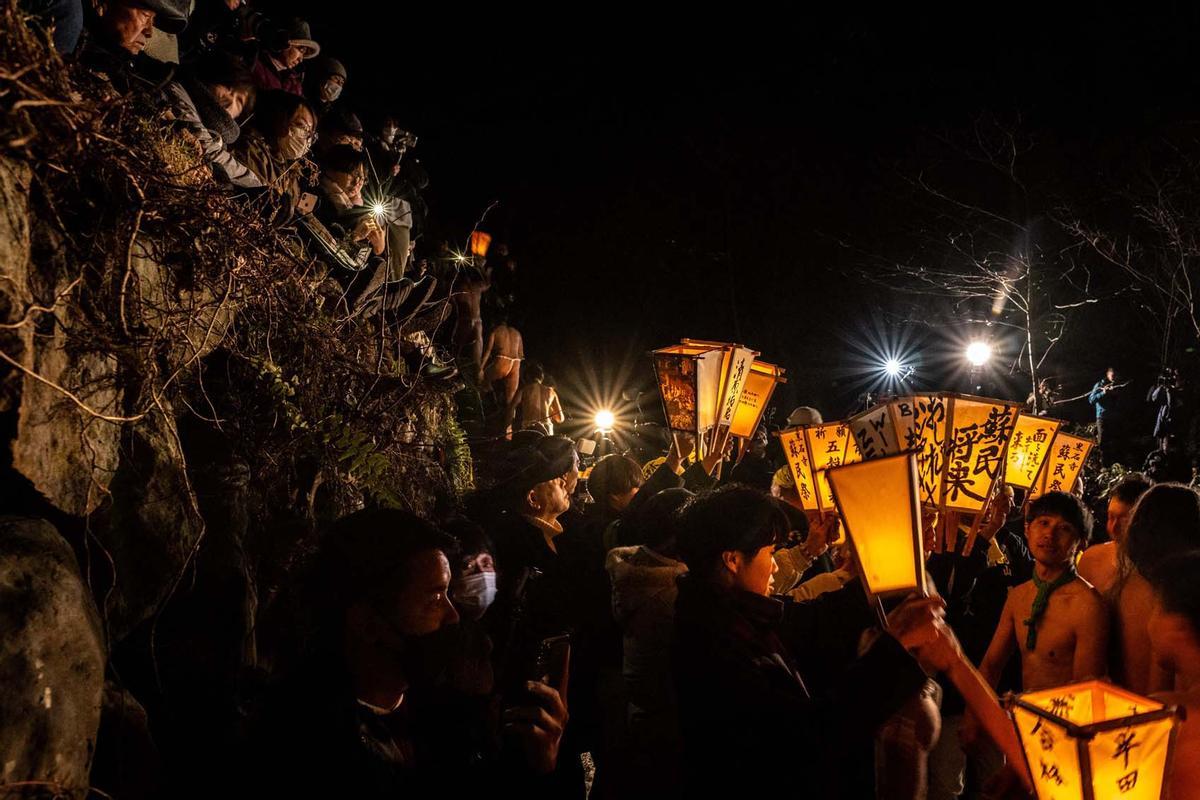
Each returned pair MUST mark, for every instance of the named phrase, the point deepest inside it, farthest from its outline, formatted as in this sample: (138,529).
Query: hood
(638,575)
(214,117)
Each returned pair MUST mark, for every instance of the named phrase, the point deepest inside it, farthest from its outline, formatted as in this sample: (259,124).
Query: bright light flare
(979,353)
(378,209)
(605,420)
(893,367)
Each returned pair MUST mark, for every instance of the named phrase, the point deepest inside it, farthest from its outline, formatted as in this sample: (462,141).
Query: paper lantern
(689,380)
(735,368)
(756,396)
(1067,456)
(1095,741)
(480,242)
(811,451)
(1027,451)
(879,503)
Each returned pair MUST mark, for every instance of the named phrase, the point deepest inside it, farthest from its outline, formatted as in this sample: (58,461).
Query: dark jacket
(754,717)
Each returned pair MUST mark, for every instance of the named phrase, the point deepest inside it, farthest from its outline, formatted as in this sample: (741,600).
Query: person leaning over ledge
(117,33)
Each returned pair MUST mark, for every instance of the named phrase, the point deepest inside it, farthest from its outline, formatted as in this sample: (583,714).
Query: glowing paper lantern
(480,242)
(735,368)
(880,506)
(689,381)
(756,396)
(1027,451)
(1092,741)
(811,451)
(1067,456)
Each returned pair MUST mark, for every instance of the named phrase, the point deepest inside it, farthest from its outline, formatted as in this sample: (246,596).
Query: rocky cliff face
(181,395)
(52,659)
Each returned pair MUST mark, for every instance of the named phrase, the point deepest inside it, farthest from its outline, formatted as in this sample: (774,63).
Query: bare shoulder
(1088,603)
(1096,558)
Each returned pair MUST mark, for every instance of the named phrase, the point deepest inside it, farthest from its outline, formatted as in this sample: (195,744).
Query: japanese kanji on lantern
(735,369)
(1068,454)
(689,380)
(1094,741)
(1028,450)
(811,451)
(978,431)
(879,503)
(756,396)
(920,425)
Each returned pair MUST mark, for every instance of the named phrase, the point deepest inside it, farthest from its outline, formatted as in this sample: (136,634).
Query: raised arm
(945,654)
(1004,642)
(556,412)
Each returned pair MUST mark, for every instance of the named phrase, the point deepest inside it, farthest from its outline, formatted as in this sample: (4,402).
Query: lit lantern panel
(880,508)
(1052,755)
(689,379)
(927,421)
(978,435)
(1065,462)
(1029,448)
(829,445)
(735,372)
(756,396)
(796,451)
(875,432)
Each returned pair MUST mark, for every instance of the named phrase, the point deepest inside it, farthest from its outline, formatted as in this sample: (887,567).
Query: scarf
(1044,590)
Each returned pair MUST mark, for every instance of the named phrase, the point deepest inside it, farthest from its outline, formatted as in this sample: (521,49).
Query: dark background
(704,180)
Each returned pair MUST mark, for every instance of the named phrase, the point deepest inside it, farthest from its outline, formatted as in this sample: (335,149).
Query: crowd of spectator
(678,628)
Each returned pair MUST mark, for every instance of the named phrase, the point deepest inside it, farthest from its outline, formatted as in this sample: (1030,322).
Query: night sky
(731,178)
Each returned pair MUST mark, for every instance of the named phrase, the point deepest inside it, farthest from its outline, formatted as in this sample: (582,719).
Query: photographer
(1161,396)
(399,185)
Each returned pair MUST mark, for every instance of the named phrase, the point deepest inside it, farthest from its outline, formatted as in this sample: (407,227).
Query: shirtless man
(467,296)
(1174,628)
(538,404)
(1099,564)
(500,366)
(1057,620)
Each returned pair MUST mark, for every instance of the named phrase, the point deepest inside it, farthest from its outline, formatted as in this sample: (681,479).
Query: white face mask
(330,90)
(473,594)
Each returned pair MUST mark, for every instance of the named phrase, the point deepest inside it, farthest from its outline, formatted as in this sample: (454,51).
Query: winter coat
(754,695)
(280,178)
(643,603)
(197,111)
(266,76)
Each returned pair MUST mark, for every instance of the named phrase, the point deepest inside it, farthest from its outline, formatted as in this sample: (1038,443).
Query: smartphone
(553,656)
(308,201)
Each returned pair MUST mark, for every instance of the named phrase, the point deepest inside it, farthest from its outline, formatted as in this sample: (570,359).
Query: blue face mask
(473,594)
